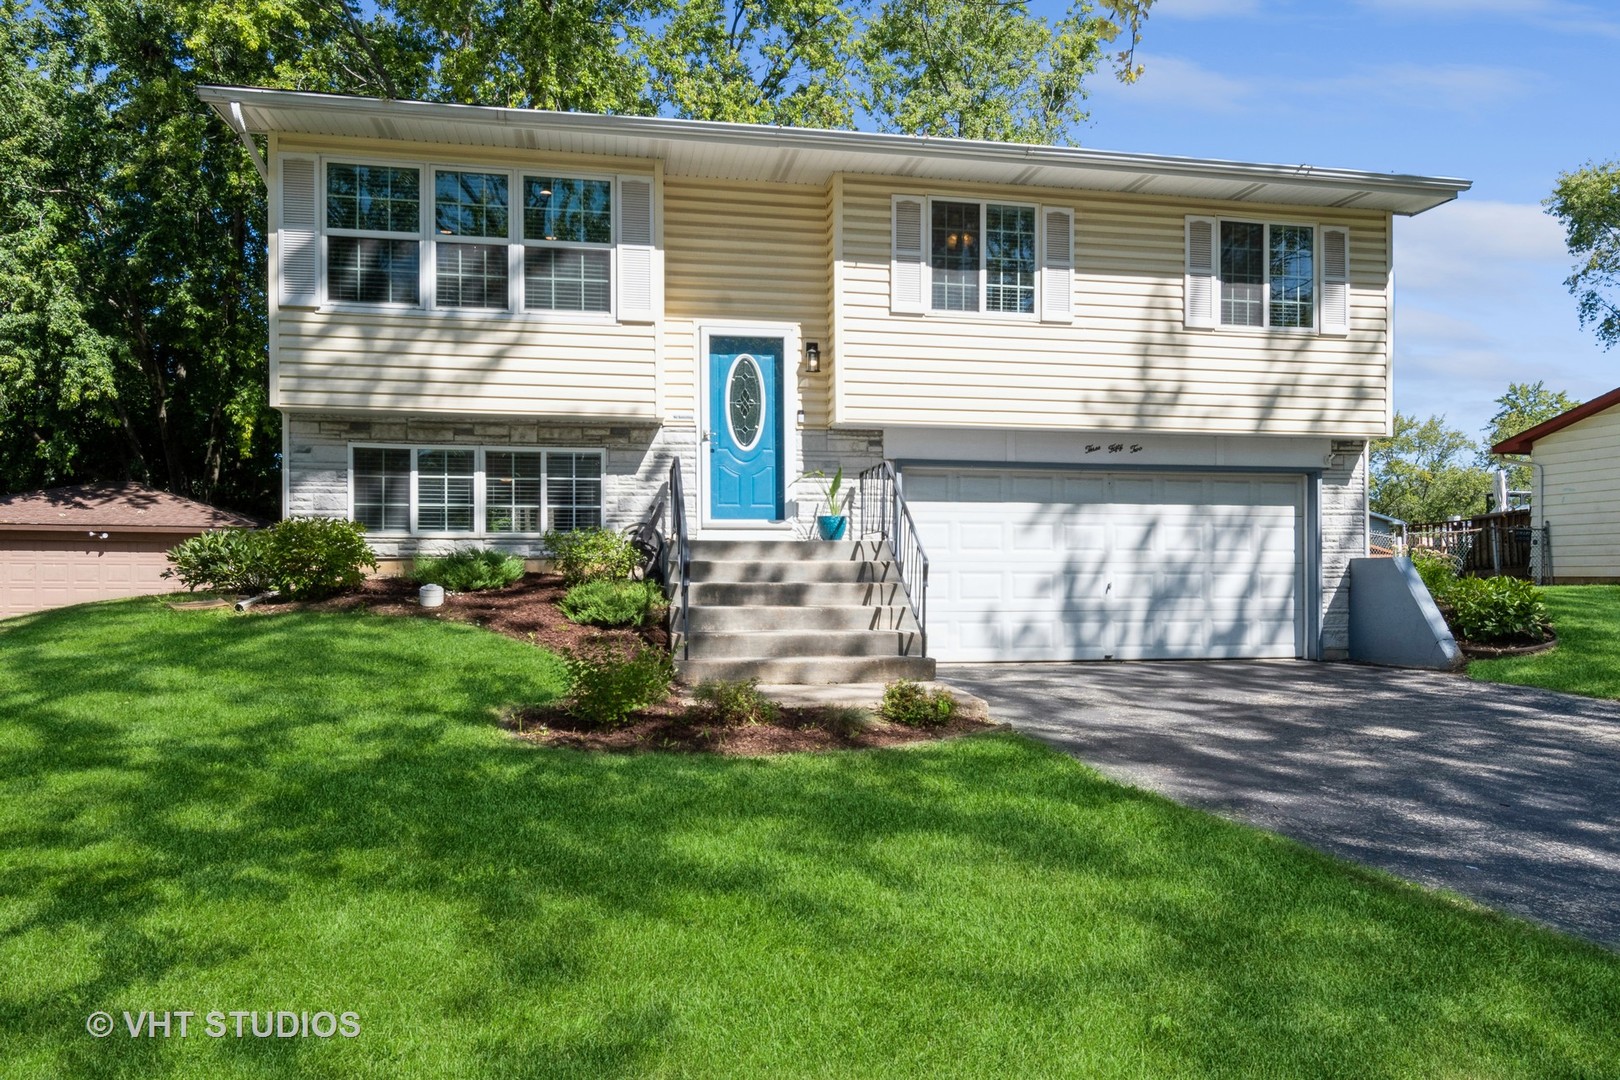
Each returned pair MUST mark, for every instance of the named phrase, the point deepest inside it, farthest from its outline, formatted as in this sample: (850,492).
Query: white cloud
(1558,15)
(1452,87)
(1463,248)
(1179,84)
(1205,9)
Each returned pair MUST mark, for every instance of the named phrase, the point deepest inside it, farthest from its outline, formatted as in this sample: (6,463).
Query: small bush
(468,571)
(227,560)
(910,703)
(1484,610)
(733,703)
(318,557)
(608,687)
(305,558)
(1439,572)
(613,603)
(591,555)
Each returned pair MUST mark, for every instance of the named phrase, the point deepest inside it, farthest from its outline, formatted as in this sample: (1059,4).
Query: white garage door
(1046,565)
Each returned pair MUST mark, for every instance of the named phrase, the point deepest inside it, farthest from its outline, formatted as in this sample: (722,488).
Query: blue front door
(745,429)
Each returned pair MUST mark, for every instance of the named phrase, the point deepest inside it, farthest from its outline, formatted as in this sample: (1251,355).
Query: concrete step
(736,620)
(808,671)
(789,550)
(795,594)
(753,570)
(787,644)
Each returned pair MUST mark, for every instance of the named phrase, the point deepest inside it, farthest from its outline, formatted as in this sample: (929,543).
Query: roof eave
(1426,192)
(1524,441)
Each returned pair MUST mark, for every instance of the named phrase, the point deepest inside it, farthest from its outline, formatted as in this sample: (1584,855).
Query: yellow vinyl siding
(1578,496)
(743,252)
(352,358)
(1127,362)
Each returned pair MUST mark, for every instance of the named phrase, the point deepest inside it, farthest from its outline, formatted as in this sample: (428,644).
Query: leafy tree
(1523,407)
(989,70)
(964,68)
(1587,201)
(1420,473)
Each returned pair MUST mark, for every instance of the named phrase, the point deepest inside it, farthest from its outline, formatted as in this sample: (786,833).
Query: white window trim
(1315,329)
(480,500)
(427,239)
(1034,314)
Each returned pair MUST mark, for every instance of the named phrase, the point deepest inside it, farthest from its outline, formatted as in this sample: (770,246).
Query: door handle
(707,435)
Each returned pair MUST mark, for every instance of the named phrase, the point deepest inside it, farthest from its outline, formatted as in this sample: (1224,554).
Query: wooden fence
(1486,545)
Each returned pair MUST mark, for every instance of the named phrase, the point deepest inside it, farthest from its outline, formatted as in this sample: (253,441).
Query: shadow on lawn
(277,777)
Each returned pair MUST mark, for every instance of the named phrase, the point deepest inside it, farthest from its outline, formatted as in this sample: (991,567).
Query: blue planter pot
(831,526)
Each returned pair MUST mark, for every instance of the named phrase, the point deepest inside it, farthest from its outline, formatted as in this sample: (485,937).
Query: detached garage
(1091,565)
(72,545)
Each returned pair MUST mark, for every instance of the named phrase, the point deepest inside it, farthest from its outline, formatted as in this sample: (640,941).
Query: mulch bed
(527,610)
(669,728)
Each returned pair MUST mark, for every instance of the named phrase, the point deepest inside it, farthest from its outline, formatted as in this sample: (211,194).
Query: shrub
(591,554)
(608,687)
(228,560)
(1496,609)
(1439,572)
(732,703)
(613,603)
(468,571)
(305,558)
(318,557)
(914,705)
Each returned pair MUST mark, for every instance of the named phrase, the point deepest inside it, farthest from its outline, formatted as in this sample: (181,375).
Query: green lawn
(1587,659)
(207,811)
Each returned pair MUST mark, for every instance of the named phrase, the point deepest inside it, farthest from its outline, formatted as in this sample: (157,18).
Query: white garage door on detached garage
(1054,565)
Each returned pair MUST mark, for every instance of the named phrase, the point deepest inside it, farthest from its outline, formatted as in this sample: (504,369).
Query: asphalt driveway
(1507,795)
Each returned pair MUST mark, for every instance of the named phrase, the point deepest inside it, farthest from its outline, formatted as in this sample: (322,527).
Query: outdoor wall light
(812,357)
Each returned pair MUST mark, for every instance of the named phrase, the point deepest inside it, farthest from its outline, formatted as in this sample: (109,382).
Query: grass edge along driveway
(1586,660)
(305,812)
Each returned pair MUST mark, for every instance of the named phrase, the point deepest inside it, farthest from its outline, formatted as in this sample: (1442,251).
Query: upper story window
(981,257)
(1267,275)
(444,237)
(373,230)
(567,244)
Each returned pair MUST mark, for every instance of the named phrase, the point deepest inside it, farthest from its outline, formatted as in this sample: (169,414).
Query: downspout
(239,125)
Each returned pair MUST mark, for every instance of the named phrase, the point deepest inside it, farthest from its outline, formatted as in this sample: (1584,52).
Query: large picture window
(430,490)
(982,256)
(476,229)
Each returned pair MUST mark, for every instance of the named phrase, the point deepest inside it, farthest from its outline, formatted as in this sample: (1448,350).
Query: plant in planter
(833,524)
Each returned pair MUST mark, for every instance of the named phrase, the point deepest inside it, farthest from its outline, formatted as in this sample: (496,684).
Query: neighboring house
(1575,490)
(1128,396)
(71,545)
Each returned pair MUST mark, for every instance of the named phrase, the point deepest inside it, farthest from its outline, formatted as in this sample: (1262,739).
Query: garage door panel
(40,572)
(1130,566)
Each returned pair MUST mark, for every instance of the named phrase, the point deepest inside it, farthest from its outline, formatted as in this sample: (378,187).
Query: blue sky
(1506,93)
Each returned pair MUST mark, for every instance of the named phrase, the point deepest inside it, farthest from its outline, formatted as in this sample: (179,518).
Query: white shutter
(1057,268)
(638,292)
(1200,288)
(1335,248)
(907,277)
(298,253)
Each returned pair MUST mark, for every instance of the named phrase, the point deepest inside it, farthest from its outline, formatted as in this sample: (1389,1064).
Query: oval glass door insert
(745,402)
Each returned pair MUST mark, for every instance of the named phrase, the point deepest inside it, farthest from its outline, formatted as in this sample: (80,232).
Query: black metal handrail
(681,548)
(883,513)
